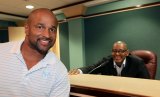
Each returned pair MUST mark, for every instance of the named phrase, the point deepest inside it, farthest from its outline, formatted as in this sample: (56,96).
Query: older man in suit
(121,63)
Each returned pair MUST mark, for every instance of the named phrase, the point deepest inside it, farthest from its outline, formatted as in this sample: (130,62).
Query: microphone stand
(101,65)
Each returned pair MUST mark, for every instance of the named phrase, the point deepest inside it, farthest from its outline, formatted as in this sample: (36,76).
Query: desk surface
(135,86)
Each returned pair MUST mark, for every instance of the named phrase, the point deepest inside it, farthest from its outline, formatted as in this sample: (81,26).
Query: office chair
(150,60)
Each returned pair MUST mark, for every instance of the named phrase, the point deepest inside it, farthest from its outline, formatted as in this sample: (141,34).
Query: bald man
(121,63)
(28,68)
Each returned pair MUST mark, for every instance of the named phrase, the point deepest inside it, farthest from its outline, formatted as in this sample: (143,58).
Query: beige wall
(56,47)
(18,33)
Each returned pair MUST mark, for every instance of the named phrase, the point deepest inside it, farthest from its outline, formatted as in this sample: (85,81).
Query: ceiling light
(138,5)
(29,7)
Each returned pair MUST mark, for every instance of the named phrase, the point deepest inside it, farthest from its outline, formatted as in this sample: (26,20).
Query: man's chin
(118,61)
(43,50)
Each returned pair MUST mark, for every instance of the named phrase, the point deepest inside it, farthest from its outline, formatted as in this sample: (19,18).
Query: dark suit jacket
(134,67)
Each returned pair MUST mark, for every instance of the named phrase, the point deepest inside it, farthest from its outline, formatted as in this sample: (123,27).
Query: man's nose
(117,53)
(46,33)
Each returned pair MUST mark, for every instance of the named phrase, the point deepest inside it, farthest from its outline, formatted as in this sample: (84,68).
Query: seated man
(121,63)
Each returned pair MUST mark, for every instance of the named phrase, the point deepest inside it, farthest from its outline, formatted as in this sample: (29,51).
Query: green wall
(4,30)
(4,35)
(76,43)
(72,50)
(64,43)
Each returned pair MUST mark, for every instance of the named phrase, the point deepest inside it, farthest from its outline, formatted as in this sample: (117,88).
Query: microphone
(101,65)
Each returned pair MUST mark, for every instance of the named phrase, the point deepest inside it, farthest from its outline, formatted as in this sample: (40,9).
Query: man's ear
(26,29)
(127,52)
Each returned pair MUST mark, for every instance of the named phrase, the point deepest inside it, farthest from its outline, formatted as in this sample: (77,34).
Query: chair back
(150,60)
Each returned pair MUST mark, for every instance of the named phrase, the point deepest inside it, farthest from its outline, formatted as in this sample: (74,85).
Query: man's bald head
(121,43)
(39,12)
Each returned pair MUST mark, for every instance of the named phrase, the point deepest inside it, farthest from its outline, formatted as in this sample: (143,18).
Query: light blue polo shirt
(48,78)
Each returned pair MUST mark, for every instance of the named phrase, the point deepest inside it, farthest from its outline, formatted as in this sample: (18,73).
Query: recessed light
(138,5)
(29,6)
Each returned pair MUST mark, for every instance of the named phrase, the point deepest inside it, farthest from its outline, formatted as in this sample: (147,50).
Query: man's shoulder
(6,44)
(9,43)
(134,58)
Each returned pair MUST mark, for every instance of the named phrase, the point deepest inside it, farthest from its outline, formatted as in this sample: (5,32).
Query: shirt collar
(48,59)
(124,63)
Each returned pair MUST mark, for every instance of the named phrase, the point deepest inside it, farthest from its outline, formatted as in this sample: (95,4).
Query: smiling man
(28,68)
(121,63)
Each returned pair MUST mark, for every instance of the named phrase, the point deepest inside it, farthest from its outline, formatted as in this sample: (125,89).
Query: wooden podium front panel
(113,86)
(77,91)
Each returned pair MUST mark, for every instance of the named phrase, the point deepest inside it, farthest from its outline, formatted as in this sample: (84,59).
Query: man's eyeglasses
(118,51)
